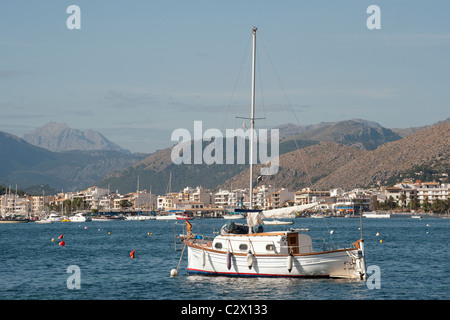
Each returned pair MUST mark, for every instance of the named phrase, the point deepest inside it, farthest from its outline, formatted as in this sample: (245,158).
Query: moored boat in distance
(374,215)
(278,222)
(233,215)
(185,217)
(10,219)
(80,217)
(170,215)
(140,217)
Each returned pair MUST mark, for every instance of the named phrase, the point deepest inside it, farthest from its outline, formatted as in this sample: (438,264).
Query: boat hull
(328,264)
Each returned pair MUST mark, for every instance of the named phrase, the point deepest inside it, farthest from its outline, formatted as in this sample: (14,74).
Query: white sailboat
(246,250)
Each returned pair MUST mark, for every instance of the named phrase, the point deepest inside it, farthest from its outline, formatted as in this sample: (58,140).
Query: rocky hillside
(361,134)
(429,147)
(331,165)
(58,137)
(303,167)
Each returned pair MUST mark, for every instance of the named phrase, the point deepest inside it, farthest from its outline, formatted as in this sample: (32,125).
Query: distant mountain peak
(59,137)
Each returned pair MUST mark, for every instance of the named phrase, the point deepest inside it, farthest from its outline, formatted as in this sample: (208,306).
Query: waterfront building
(307,196)
(280,198)
(167,201)
(433,191)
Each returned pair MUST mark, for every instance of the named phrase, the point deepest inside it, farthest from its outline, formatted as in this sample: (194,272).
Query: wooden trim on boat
(208,248)
(261,234)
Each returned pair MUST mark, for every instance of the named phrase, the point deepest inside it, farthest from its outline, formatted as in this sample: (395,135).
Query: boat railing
(322,244)
(199,234)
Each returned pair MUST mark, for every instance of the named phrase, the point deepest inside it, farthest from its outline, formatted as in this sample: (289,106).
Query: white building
(433,191)
(307,196)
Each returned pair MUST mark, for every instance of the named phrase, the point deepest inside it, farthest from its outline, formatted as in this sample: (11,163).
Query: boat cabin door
(292,239)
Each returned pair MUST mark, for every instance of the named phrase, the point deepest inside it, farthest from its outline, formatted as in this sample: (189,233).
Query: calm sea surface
(413,260)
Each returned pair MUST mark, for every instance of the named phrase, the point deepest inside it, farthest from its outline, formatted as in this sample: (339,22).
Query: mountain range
(59,137)
(332,165)
(347,154)
(28,166)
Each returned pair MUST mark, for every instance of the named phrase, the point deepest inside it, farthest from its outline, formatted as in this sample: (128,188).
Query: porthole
(218,245)
(270,247)
(243,247)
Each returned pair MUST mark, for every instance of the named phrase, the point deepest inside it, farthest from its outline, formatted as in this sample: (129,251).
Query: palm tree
(402,199)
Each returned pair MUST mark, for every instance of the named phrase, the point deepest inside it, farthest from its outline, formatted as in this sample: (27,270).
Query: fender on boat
(229,254)
(250,260)
(290,262)
(203,258)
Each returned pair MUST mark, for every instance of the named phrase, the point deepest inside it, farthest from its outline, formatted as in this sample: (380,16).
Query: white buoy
(173,273)
(331,232)
(377,234)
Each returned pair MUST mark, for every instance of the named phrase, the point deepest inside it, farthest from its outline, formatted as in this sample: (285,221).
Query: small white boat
(53,217)
(416,216)
(168,217)
(375,215)
(233,216)
(80,217)
(278,222)
(140,218)
(317,216)
(43,221)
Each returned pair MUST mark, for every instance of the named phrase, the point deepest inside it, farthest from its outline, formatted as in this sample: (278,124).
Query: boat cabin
(265,243)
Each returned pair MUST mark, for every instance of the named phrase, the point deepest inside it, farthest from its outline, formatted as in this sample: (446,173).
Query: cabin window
(270,247)
(218,245)
(243,247)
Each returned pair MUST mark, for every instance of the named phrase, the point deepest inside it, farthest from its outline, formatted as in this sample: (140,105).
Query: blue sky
(137,70)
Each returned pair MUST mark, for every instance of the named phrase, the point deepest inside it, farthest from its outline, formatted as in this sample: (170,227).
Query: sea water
(412,259)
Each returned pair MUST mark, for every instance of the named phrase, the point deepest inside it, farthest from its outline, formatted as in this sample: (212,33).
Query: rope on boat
(181,257)
(174,272)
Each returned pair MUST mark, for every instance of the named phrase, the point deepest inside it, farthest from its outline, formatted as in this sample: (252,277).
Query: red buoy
(61,236)
(62,243)
(132,254)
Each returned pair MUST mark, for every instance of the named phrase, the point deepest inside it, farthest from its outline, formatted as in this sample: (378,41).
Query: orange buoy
(62,243)
(132,254)
(61,236)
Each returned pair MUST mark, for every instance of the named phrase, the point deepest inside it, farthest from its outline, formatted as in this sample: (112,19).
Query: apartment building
(307,196)
(433,191)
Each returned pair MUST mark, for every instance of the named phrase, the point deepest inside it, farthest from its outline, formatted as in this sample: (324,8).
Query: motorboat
(80,217)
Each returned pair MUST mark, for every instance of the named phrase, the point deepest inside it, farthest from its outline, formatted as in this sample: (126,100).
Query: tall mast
(252,116)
